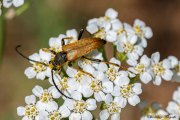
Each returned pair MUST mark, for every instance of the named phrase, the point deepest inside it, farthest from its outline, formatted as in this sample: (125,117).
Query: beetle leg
(80,34)
(57,86)
(66,38)
(17,50)
(97,60)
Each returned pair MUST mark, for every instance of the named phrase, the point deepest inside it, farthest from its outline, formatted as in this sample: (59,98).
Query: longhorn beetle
(71,52)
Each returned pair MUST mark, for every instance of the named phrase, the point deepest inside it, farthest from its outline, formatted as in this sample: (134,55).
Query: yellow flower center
(80,106)
(39,67)
(158,69)
(138,31)
(31,111)
(112,73)
(55,115)
(79,76)
(63,84)
(100,34)
(126,91)
(113,108)
(120,31)
(46,97)
(96,86)
(140,68)
(128,47)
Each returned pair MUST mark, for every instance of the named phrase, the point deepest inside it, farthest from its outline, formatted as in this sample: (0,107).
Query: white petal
(35,57)
(121,101)
(75,116)
(76,95)
(41,75)
(114,60)
(99,96)
(18,3)
(52,106)
(108,99)
(148,32)
(72,33)
(134,100)
(71,72)
(173,60)
(30,99)
(155,57)
(167,75)
(37,91)
(122,80)
(30,72)
(54,91)
(166,64)
(7,3)
(92,28)
(145,60)
(111,36)
(21,111)
(91,104)
(145,77)
(69,103)
(137,88)
(65,112)
(107,87)
(115,116)
(86,115)
(104,115)
(45,56)
(157,80)
(111,13)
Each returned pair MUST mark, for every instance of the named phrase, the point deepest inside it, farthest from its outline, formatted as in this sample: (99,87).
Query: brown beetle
(72,52)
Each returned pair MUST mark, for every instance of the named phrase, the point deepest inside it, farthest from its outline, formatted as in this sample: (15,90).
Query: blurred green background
(49,18)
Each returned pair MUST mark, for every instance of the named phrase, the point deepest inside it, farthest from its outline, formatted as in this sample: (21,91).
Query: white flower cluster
(157,113)
(107,85)
(9,3)
(174,106)
(130,40)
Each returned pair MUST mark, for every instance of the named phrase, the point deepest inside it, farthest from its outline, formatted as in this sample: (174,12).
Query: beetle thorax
(60,59)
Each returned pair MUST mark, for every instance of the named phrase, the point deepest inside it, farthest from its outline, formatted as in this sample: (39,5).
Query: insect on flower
(71,52)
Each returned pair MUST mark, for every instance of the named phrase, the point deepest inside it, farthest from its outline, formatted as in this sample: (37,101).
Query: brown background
(47,18)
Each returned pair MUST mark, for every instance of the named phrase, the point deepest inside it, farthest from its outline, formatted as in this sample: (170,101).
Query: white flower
(39,70)
(81,109)
(112,108)
(173,60)
(111,13)
(71,34)
(160,69)
(142,31)
(127,45)
(30,111)
(56,43)
(174,106)
(9,3)
(127,92)
(101,27)
(65,84)
(87,65)
(142,68)
(46,96)
(54,113)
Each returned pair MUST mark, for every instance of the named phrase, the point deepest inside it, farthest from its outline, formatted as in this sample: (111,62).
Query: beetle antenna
(17,50)
(57,86)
